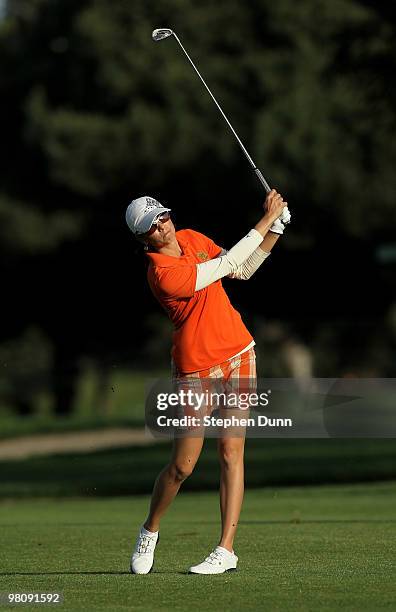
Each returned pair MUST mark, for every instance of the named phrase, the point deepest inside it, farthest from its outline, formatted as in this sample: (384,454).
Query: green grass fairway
(127,471)
(314,548)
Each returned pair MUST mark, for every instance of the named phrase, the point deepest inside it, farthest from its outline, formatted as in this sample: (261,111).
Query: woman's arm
(249,267)
(230,262)
(252,264)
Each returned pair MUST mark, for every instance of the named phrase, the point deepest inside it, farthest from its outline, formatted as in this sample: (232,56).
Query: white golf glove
(285,216)
(279,225)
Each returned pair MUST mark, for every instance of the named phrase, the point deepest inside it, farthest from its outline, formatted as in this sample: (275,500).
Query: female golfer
(209,341)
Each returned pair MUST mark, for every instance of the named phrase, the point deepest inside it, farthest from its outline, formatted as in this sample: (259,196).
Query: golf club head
(161,33)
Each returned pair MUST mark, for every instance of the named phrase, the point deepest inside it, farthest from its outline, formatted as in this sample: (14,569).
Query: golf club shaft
(256,170)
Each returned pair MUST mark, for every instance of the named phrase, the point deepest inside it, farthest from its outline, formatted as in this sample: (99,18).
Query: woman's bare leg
(185,455)
(231,454)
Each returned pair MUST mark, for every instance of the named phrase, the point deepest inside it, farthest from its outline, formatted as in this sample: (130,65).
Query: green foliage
(326,122)
(87,151)
(25,364)
(26,229)
(301,81)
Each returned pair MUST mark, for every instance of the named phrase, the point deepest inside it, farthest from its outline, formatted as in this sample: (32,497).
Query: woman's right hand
(273,205)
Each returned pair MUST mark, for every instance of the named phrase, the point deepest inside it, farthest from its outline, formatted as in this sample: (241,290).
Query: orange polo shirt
(207,329)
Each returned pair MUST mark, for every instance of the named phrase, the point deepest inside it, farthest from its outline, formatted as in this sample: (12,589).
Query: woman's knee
(230,453)
(180,470)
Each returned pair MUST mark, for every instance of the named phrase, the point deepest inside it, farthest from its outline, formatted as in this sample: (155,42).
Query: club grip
(262,180)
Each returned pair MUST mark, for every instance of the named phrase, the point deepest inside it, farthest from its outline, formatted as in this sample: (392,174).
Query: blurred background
(93,113)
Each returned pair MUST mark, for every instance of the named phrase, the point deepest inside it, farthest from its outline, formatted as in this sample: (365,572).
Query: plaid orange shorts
(225,386)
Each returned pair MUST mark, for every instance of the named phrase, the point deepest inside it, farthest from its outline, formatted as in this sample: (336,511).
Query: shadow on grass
(129,471)
(65,573)
(319,522)
(76,573)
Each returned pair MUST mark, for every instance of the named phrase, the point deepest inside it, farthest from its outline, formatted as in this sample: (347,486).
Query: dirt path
(72,442)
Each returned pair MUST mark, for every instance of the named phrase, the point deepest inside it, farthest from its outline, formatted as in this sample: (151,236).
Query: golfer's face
(163,235)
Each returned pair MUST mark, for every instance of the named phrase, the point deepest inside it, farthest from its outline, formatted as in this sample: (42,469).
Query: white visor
(142,212)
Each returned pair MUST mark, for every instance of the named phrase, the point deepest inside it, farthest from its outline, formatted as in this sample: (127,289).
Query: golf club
(162,33)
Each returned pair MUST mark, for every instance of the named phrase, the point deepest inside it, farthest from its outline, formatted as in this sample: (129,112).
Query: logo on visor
(151,204)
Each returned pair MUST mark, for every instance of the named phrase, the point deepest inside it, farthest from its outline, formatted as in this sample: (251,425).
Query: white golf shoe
(219,561)
(142,559)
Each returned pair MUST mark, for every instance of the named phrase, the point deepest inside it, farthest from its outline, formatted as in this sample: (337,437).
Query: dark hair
(139,245)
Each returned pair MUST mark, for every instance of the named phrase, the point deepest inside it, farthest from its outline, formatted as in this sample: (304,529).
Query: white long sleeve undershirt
(249,267)
(240,262)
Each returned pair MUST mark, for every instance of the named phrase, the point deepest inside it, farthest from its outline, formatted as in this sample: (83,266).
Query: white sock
(147,532)
(226,550)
